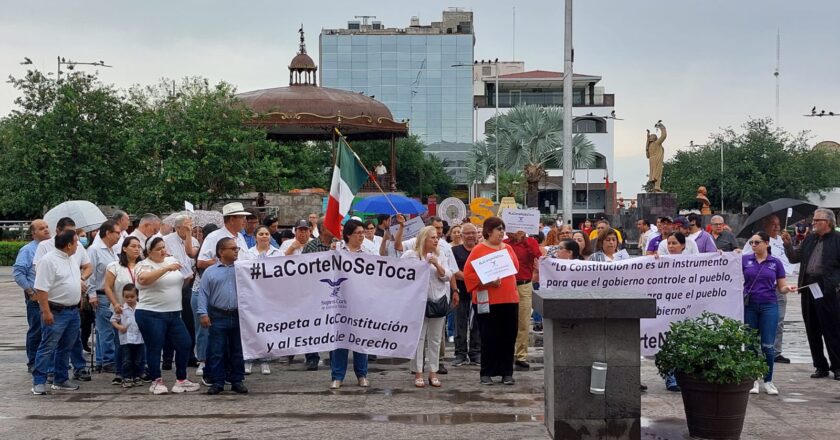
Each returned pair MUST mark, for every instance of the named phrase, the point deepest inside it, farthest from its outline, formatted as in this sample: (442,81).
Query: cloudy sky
(699,66)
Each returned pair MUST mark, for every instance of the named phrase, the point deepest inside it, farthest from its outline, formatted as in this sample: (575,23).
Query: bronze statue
(703,201)
(655,153)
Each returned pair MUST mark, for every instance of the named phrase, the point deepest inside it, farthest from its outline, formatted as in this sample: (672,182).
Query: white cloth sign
(684,286)
(493,266)
(412,228)
(527,220)
(322,301)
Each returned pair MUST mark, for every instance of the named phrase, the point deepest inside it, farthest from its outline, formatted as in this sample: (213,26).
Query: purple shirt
(653,243)
(760,279)
(705,243)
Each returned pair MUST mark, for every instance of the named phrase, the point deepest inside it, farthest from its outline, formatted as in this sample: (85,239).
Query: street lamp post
(568,73)
(495,120)
(72,64)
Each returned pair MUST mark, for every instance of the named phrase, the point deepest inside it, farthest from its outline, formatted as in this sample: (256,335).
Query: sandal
(434,381)
(419,382)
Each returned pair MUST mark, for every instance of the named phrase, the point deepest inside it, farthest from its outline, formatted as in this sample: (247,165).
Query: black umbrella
(779,207)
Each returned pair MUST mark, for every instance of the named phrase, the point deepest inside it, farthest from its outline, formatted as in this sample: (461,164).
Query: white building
(593,116)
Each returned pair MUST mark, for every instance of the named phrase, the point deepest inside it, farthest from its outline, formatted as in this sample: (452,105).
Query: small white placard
(189,206)
(493,266)
(526,220)
(790,213)
(815,290)
(412,228)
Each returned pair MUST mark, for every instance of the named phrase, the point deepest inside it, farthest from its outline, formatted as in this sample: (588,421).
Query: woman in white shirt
(117,275)
(263,248)
(158,315)
(426,249)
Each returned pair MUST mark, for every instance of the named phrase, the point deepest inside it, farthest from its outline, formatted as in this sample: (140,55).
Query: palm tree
(482,162)
(530,139)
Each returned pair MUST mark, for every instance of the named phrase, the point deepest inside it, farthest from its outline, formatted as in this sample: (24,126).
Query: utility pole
(568,76)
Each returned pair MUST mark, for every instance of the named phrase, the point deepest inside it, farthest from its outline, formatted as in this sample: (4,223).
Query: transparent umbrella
(199,218)
(85,214)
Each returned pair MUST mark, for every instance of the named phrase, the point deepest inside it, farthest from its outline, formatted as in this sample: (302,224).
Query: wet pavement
(292,403)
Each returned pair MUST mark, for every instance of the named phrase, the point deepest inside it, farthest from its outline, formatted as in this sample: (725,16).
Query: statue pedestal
(652,205)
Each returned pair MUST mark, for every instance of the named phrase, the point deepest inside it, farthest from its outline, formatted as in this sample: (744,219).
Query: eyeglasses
(358,233)
(755,242)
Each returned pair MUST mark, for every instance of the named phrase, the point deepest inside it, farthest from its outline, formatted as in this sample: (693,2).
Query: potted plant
(715,359)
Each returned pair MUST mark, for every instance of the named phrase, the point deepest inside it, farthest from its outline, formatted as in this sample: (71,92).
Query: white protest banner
(493,266)
(327,300)
(684,286)
(527,220)
(412,228)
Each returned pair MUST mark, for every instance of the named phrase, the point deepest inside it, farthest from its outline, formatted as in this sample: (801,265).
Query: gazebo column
(393,174)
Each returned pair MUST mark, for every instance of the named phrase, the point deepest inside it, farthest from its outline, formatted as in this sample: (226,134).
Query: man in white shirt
(680,225)
(645,234)
(773,226)
(101,255)
(302,235)
(80,257)
(58,292)
(148,227)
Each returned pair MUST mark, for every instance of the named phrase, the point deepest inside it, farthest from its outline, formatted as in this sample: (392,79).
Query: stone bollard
(580,329)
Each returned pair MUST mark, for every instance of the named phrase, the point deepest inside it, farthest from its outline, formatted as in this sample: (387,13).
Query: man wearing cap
(680,225)
(665,226)
(59,293)
(302,233)
(24,274)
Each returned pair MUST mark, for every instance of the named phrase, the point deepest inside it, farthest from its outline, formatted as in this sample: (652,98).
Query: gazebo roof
(305,111)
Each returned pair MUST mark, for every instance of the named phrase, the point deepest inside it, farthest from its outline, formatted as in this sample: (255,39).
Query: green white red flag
(348,177)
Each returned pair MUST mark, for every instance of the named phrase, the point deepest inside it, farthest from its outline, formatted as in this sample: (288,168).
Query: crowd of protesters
(162,300)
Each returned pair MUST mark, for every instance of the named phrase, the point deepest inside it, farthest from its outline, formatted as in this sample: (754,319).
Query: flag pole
(375,182)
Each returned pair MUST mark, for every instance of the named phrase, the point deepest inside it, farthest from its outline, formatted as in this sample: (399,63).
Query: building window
(590,125)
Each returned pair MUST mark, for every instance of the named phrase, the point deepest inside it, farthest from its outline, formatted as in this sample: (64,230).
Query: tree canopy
(761,163)
(150,148)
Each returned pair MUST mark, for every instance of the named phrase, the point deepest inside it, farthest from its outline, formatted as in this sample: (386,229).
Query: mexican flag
(348,177)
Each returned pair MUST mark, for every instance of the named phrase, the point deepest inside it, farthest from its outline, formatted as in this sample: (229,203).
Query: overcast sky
(698,66)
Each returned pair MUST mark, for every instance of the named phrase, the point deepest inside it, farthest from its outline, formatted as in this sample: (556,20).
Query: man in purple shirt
(664,224)
(705,241)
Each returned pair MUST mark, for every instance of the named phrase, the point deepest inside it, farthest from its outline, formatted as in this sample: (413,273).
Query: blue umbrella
(381,205)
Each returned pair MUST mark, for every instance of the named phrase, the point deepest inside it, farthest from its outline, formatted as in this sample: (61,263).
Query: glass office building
(411,71)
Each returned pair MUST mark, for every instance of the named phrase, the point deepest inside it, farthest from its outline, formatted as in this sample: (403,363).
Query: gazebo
(305,111)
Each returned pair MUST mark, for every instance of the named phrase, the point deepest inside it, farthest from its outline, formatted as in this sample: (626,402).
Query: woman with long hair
(426,249)
(606,247)
(764,275)
(582,239)
(120,273)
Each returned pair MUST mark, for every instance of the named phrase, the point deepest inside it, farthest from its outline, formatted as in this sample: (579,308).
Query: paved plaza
(292,403)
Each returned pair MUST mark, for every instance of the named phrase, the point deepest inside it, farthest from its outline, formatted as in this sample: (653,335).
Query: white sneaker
(200,370)
(248,367)
(756,387)
(158,387)
(264,368)
(771,389)
(182,386)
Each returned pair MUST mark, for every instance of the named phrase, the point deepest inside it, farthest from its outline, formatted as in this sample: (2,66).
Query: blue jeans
(60,336)
(224,350)
(764,317)
(132,358)
(670,379)
(450,324)
(156,327)
(201,333)
(33,332)
(338,363)
(105,347)
(536,316)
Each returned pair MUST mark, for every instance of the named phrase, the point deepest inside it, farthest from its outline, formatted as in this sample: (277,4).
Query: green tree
(512,184)
(761,163)
(530,139)
(482,162)
(63,141)
(418,174)
(194,147)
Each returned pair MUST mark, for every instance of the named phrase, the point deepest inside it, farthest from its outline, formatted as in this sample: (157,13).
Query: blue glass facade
(414,77)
